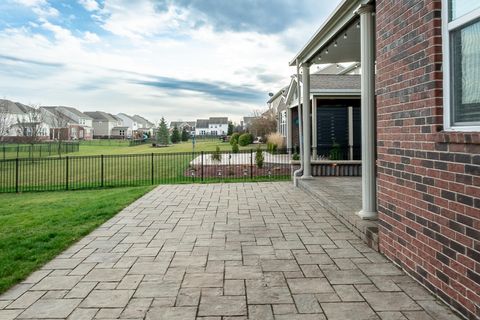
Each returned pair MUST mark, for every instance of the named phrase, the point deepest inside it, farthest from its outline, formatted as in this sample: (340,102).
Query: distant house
(62,127)
(19,122)
(187,125)
(103,123)
(214,126)
(129,121)
(142,122)
(247,122)
(121,132)
(80,118)
(145,127)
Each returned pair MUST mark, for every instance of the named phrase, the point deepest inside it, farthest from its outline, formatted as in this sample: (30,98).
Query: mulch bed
(217,171)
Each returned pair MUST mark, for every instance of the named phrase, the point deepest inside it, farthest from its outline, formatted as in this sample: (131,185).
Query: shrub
(245,139)
(235,148)
(271,147)
(276,139)
(296,156)
(335,152)
(217,155)
(259,157)
(234,138)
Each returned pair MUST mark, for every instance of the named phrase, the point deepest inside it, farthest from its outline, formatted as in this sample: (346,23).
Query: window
(461,37)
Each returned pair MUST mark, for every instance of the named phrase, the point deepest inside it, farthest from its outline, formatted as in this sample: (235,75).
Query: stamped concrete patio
(225,251)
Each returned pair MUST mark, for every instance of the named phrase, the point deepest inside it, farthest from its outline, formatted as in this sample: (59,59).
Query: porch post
(350,133)
(314,128)
(307,135)
(367,40)
(289,130)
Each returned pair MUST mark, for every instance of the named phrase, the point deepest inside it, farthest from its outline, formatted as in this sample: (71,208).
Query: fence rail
(37,150)
(87,172)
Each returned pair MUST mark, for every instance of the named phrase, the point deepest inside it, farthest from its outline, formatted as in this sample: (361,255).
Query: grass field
(89,150)
(36,227)
(121,166)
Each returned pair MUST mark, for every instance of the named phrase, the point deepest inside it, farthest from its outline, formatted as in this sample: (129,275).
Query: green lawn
(89,150)
(36,227)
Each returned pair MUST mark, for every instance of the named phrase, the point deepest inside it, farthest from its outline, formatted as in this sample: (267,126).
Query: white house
(214,126)
(129,121)
(19,120)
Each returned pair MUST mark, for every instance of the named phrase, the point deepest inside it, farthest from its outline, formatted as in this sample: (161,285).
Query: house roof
(142,120)
(14,107)
(180,123)
(276,95)
(126,116)
(55,110)
(321,82)
(101,116)
(218,120)
(202,123)
(76,112)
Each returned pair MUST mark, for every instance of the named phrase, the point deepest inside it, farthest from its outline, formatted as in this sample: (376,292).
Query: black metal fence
(37,150)
(87,172)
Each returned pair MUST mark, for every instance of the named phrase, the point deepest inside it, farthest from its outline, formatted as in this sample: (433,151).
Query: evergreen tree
(185,135)
(162,134)
(175,135)
(230,128)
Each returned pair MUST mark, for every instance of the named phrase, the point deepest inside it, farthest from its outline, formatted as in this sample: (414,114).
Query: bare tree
(6,119)
(265,122)
(31,124)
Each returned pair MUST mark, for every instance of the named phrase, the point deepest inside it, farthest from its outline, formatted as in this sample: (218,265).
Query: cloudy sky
(182,59)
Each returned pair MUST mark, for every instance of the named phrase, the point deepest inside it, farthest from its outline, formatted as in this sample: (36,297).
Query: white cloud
(89,5)
(91,37)
(102,71)
(41,7)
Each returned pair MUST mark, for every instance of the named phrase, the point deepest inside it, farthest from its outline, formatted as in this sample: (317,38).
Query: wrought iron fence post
(251,163)
(16,174)
(66,172)
(152,169)
(18,149)
(4,151)
(202,166)
(102,183)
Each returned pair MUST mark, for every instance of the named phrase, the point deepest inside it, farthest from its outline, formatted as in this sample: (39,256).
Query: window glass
(459,8)
(465,50)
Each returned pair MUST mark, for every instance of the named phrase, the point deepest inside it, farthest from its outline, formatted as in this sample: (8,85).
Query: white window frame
(447,28)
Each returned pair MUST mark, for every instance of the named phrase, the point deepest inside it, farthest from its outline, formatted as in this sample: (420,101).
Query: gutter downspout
(298,172)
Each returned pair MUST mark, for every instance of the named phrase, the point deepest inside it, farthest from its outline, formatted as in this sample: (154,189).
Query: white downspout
(299,172)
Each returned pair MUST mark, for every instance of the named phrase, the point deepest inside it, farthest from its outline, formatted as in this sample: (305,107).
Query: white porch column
(307,135)
(289,131)
(350,133)
(314,129)
(367,40)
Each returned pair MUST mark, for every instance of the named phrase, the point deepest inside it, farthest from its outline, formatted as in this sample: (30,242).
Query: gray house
(103,123)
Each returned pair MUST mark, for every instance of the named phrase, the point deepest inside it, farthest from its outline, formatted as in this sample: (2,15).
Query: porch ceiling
(343,21)
(344,47)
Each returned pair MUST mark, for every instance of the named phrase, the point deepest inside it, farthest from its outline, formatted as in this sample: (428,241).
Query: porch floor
(342,197)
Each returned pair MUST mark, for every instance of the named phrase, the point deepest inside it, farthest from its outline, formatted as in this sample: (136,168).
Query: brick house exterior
(428,180)
(421,135)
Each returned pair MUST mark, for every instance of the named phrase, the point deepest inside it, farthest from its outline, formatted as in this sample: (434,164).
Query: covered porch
(347,36)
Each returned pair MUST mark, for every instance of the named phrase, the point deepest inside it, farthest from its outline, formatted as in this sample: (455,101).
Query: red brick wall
(428,181)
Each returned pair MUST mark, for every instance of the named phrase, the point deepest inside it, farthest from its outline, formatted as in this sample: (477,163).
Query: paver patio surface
(221,251)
